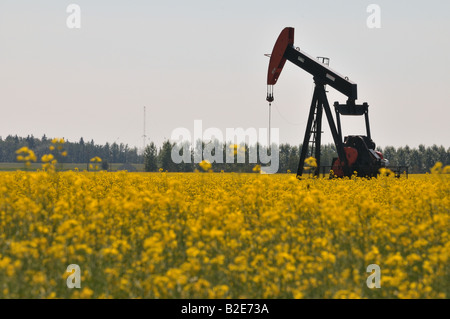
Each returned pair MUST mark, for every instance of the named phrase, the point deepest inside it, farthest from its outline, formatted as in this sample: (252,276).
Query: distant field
(83,166)
(65,166)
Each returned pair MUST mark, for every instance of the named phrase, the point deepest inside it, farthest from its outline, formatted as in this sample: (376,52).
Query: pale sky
(204,60)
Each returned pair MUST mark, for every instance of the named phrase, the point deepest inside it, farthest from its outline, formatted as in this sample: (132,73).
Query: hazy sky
(204,60)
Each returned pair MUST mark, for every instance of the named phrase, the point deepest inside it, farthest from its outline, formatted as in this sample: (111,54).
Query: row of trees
(419,160)
(77,152)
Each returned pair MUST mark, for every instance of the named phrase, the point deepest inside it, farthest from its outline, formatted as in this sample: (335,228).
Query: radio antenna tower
(144,136)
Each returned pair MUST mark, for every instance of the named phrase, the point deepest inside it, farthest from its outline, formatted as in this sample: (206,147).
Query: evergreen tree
(165,157)
(150,158)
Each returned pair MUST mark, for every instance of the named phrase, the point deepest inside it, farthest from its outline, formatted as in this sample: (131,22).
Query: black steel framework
(356,152)
(323,75)
(318,106)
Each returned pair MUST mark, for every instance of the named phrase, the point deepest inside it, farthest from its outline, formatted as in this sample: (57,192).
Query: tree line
(77,152)
(419,160)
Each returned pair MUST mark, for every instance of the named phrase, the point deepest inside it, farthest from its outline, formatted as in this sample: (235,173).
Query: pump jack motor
(356,153)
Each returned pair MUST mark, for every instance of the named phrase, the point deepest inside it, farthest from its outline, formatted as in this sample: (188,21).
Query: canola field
(223,235)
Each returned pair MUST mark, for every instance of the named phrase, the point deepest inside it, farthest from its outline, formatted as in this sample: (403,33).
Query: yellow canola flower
(311,161)
(22,150)
(234,148)
(257,168)
(26,155)
(32,156)
(58,141)
(86,293)
(195,236)
(205,165)
(47,158)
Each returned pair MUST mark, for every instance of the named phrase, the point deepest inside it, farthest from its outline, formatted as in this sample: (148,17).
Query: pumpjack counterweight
(355,153)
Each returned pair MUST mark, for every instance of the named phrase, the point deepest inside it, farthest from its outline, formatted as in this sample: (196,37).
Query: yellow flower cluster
(95,159)
(310,162)
(257,169)
(174,235)
(205,165)
(24,154)
(49,161)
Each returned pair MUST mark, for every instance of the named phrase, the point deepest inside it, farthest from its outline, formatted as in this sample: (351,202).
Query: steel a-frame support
(318,105)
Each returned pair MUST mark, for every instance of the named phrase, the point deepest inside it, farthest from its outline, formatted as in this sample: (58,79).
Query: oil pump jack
(356,153)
